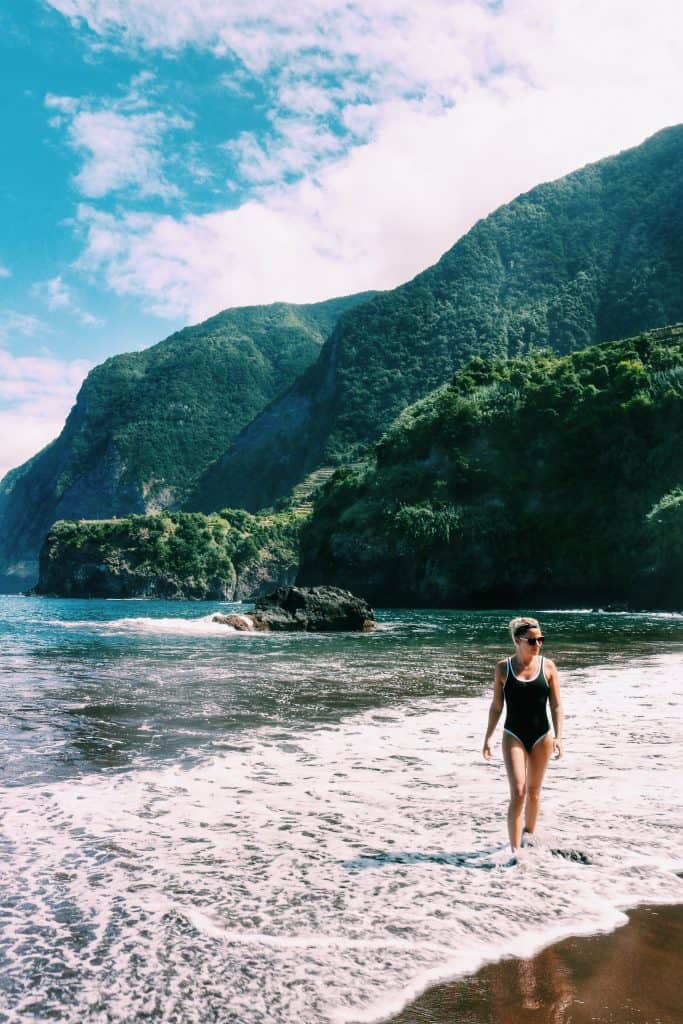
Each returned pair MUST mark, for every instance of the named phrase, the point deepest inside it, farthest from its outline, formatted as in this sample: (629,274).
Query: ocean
(202,825)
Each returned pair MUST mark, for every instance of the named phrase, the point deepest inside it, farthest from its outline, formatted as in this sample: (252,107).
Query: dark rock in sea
(311,609)
(315,609)
(576,855)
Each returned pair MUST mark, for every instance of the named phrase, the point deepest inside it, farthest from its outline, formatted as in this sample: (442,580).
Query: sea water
(204,825)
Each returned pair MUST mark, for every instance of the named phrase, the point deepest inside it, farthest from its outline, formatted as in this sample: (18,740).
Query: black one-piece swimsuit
(526,700)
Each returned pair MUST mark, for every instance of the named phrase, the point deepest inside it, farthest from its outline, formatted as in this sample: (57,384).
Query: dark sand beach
(630,976)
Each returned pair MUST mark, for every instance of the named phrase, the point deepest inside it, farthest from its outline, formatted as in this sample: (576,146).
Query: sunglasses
(533,640)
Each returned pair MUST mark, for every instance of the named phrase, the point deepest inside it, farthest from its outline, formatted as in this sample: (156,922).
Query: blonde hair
(522,625)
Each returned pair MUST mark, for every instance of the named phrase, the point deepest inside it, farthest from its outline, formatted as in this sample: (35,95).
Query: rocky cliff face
(92,578)
(263,575)
(101,579)
(275,451)
(145,425)
(33,497)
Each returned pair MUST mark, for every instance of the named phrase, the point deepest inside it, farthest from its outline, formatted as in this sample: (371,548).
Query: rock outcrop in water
(305,609)
(231,556)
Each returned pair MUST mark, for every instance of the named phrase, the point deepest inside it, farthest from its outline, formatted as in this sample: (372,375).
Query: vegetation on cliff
(592,257)
(147,423)
(540,478)
(225,556)
(171,409)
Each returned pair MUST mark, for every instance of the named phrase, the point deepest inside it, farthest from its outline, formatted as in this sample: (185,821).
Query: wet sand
(630,976)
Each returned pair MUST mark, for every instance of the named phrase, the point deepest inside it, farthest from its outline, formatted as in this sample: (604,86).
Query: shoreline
(571,608)
(628,975)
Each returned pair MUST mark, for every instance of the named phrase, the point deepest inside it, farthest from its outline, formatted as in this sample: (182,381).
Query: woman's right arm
(495,709)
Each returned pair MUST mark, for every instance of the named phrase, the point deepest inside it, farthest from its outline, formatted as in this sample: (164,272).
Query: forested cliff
(538,480)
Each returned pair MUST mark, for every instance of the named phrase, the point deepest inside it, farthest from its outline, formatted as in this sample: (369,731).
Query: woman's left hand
(557,748)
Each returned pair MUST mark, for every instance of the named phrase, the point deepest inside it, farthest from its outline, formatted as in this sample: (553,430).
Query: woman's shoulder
(502,666)
(549,666)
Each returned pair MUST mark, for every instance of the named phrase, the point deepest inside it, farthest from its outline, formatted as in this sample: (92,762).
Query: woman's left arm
(556,710)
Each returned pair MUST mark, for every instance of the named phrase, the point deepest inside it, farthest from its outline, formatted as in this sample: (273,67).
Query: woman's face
(530,643)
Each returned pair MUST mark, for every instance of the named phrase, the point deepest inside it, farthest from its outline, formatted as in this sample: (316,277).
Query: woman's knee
(517,792)
(533,792)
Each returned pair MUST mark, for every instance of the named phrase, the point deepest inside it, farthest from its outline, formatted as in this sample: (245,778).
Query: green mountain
(536,481)
(146,424)
(592,257)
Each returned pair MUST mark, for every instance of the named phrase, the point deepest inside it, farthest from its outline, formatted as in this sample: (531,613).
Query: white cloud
(57,296)
(4,271)
(313,60)
(121,142)
(265,34)
(64,104)
(36,393)
(122,150)
(383,213)
(451,108)
(24,324)
(21,437)
(297,148)
(23,378)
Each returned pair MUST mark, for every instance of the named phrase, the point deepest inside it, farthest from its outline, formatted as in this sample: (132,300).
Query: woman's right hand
(487,750)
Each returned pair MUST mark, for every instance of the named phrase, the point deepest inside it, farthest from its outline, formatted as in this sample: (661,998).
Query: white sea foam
(176,626)
(607,612)
(332,875)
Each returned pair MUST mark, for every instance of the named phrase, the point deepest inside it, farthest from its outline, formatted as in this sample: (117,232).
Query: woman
(526,682)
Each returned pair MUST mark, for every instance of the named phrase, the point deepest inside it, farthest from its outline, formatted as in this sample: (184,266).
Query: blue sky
(157,167)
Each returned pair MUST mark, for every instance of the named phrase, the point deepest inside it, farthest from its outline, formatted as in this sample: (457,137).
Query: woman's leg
(515,758)
(538,762)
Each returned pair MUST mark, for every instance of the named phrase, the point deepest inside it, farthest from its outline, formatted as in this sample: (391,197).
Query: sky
(159,163)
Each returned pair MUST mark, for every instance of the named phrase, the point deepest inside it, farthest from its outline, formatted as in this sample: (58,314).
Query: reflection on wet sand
(630,975)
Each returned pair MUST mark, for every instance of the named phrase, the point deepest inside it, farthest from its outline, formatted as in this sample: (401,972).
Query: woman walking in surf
(525,682)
